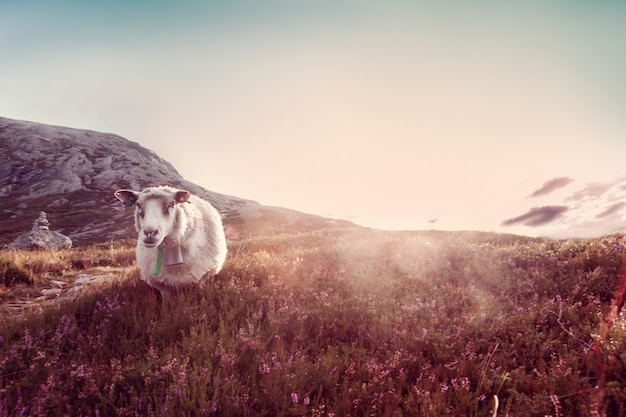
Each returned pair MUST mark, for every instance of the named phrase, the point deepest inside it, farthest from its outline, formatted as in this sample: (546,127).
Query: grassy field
(329,323)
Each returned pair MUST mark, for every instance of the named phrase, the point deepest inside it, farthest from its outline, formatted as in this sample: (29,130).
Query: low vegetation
(329,323)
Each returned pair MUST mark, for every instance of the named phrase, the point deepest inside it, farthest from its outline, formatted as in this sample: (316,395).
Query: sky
(487,115)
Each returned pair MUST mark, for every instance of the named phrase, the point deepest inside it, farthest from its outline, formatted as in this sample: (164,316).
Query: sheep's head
(156,212)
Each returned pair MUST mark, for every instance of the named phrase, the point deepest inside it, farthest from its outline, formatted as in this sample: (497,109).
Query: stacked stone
(41,237)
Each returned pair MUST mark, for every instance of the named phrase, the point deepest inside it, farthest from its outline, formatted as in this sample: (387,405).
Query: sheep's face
(156,213)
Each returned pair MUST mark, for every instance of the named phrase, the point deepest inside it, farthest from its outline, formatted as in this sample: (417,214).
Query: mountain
(71,174)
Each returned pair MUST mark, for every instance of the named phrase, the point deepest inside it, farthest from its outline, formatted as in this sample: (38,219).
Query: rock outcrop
(41,237)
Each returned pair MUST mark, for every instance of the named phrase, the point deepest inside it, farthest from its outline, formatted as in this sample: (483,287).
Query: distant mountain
(71,174)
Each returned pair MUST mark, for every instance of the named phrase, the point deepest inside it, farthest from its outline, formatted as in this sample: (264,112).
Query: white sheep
(181,239)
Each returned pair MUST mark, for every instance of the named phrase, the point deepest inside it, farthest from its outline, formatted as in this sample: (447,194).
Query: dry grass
(332,323)
(26,276)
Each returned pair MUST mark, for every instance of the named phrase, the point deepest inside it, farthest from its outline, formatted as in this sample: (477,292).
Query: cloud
(551,185)
(591,191)
(537,216)
(613,209)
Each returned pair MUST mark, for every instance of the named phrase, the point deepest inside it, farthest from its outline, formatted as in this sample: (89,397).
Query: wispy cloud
(537,216)
(611,210)
(595,190)
(596,209)
(551,185)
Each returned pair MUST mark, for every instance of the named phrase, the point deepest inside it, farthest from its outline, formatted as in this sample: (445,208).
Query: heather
(328,323)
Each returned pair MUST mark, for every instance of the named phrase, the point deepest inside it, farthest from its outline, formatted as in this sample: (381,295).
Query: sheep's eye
(169,208)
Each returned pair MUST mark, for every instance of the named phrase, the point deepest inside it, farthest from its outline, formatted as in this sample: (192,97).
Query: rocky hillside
(71,174)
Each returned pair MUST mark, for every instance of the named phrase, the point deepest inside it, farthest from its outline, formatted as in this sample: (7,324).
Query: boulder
(41,237)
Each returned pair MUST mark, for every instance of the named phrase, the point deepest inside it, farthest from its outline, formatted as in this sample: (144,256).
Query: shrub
(12,271)
(351,322)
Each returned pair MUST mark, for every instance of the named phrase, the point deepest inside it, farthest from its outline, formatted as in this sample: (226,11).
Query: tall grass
(339,323)
(24,267)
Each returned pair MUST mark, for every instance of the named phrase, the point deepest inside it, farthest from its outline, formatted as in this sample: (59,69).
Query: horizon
(503,118)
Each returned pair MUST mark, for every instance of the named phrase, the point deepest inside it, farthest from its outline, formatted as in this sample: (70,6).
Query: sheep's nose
(150,234)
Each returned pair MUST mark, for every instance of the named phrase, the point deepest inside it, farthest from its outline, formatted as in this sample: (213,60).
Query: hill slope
(72,173)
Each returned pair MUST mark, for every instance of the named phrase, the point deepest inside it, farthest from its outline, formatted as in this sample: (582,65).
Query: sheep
(181,240)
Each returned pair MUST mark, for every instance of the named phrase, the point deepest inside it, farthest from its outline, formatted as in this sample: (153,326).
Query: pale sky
(389,114)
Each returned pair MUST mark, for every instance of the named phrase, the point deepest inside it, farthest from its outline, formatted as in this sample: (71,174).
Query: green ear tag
(129,202)
(157,268)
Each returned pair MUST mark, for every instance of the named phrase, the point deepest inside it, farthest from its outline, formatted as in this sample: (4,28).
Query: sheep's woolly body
(197,229)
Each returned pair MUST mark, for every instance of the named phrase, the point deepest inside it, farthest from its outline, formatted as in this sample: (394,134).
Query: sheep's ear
(182,196)
(128,197)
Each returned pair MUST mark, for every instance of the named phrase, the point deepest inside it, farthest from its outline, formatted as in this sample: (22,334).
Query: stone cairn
(41,237)
(42,222)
